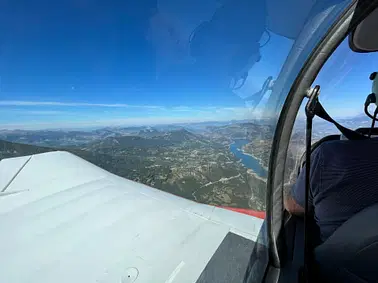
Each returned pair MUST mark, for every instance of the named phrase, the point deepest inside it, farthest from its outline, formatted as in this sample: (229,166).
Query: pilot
(343,181)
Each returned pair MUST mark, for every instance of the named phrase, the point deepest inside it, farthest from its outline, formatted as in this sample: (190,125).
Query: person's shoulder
(330,145)
(333,148)
(348,143)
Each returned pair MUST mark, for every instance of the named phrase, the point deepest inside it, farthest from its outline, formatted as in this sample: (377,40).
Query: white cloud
(181,108)
(163,115)
(107,123)
(31,112)
(73,104)
(43,112)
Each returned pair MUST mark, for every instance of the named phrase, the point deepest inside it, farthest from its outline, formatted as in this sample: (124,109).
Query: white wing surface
(62,219)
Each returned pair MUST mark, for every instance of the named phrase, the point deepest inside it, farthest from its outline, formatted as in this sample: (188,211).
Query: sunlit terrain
(218,163)
(213,163)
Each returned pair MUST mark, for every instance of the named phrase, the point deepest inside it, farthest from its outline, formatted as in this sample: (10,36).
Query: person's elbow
(292,206)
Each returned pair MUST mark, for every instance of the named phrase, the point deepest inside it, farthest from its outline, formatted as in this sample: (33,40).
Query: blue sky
(92,65)
(344,81)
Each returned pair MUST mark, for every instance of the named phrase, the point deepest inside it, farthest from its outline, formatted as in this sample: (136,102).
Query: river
(248,160)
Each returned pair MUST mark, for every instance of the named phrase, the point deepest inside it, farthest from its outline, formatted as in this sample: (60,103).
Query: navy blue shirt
(343,181)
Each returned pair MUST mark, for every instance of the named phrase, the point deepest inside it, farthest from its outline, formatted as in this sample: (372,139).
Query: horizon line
(14,127)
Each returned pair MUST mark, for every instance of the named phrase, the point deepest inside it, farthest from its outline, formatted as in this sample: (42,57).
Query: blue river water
(248,160)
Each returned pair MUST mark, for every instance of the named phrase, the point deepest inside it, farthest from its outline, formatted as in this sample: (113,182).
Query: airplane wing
(63,219)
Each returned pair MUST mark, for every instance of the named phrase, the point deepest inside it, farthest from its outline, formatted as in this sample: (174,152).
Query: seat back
(350,254)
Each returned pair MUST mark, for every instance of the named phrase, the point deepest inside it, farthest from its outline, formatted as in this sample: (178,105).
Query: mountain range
(195,165)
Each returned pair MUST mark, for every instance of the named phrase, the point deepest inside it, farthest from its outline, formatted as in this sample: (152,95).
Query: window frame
(351,16)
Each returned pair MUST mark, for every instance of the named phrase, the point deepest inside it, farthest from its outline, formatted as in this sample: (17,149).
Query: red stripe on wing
(255,213)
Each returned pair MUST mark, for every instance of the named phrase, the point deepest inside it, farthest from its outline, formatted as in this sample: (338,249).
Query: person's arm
(294,198)
(290,203)
(292,206)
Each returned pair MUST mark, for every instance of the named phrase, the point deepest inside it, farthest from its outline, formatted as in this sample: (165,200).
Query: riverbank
(258,159)
(247,159)
(255,175)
